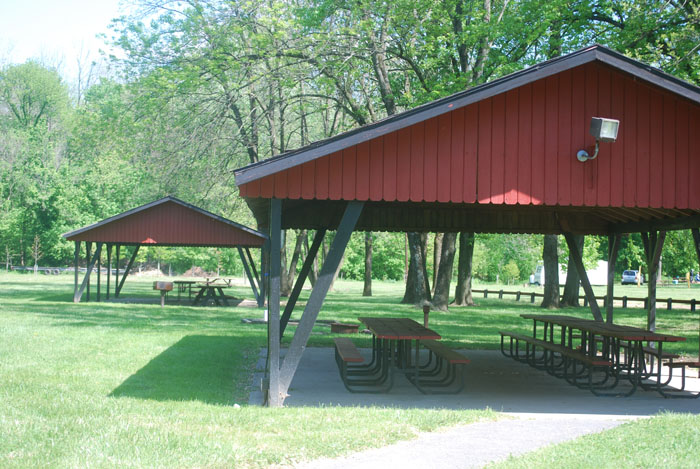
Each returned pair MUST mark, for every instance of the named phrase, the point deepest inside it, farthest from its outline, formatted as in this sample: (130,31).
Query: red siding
(520,148)
(172,224)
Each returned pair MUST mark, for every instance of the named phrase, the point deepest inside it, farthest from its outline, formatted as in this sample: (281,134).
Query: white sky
(54,31)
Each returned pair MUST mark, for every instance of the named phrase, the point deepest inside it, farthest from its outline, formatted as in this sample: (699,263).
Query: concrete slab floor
(492,381)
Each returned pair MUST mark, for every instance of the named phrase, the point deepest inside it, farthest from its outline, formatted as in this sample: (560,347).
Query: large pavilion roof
(500,157)
(169,222)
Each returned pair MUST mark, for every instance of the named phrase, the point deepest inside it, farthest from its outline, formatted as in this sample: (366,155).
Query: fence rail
(625,299)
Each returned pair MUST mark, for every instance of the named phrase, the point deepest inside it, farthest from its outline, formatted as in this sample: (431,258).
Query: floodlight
(602,129)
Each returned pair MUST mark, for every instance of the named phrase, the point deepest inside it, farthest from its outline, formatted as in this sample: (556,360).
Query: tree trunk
(417,285)
(437,253)
(573,281)
(463,292)
(551,272)
(367,290)
(444,276)
(285,284)
(291,272)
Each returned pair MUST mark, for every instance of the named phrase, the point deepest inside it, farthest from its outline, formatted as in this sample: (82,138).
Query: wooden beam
(585,283)
(88,271)
(613,249)
(678,223)
(99,278)
(274,393)
(126,271)
(116,278)
(318,294)
(249,274)
(76,298)
(109,266)
(301,278)
(653,244)
(256,276)
(88,251)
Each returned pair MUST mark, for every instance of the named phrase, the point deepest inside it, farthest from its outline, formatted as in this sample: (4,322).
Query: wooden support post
(274,393)
(76,298)
(126,271)
(301,278)
(249,275)
(99,272)
(256,276)
(116,277)
(88,250)
(613,248)
(696,238)
(318,294)
(653,244)
(88,271)
(109,267)
(585,283)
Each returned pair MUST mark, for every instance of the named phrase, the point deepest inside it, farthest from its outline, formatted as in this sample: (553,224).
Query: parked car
(630,277)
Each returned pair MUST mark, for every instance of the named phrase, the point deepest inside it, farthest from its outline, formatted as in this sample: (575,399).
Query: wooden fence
(625,299)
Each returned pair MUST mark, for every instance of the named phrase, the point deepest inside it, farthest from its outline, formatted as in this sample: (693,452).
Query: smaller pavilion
(165,222)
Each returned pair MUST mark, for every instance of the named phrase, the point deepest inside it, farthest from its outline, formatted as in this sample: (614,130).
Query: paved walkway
(469,446)
(545,411)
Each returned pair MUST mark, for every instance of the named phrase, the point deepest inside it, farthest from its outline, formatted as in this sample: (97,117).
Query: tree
(444,274)
(573,280)
(463,292)
(551,272)
(367,290)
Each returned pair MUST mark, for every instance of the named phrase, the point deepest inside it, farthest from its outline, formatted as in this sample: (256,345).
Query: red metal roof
(501,157)
(169,222)
(519,147)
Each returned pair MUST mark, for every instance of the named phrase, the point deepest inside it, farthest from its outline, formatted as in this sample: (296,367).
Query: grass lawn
(107,384)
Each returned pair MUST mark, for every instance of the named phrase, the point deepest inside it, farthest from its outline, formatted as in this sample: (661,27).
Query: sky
(54,31)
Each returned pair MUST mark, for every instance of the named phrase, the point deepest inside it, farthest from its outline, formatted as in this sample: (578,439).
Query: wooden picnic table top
(398,329)
(610,330)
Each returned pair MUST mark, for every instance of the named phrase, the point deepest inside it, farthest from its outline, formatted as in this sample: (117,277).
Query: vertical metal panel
(430,160)
(267,187)
(617,173)
(630,136)
(590,166)
(538,143)
(524,144)
(444,158)
(510,181)
(322,176)
(403,165)
(483,164)
(498,125)
(376,169)
(457,156)
(643,133)
(578,135)
(294,182)
(603,176)
(417,151)
(669,151)
(362,171)
(681,198)
(551,140)
(308,180)
(349,179)
(335,177)
(471,146)
(389,160)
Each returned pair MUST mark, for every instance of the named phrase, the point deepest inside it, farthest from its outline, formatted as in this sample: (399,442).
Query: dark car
(629,277)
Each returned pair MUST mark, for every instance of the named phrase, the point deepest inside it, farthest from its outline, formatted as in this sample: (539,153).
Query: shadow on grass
(196,368)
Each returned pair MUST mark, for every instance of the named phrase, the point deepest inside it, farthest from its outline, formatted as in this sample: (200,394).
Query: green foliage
(492,254)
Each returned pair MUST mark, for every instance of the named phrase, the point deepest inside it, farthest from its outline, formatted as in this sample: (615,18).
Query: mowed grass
(131,384)
(665,441)
(134,385)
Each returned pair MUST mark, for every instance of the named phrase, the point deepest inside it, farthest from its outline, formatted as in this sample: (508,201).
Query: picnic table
(396,344)
(576,348)
(184,285)
(211,291)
